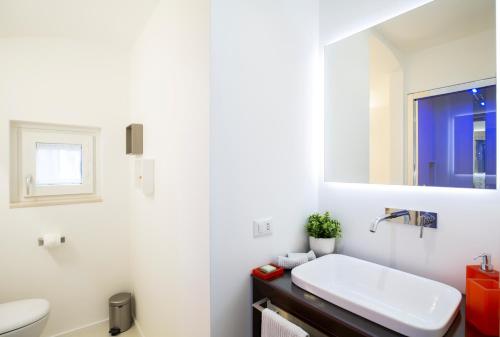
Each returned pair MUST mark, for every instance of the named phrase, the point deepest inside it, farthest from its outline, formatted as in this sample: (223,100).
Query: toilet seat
(18,314)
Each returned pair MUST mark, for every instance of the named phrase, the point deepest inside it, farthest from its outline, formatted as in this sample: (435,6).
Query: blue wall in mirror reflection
(457,139)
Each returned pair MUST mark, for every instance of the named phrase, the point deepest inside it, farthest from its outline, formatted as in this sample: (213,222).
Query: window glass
(58,164)
(457,142)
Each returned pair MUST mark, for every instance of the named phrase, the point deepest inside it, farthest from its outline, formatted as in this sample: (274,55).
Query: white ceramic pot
(322,246)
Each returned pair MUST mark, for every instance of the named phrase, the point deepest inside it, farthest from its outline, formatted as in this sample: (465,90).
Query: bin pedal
(114,331)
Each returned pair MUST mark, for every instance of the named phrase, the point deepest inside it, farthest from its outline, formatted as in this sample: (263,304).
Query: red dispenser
(483,297)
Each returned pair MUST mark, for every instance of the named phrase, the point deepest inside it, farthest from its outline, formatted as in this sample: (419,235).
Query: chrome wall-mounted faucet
(417,218)
(388,216)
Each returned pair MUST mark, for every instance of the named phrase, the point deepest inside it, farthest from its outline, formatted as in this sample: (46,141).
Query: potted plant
(323,230)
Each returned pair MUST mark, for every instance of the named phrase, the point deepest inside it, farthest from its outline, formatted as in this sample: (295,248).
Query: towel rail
(259,305)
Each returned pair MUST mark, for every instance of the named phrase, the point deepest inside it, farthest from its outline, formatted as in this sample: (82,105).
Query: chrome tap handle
(427,219)
(424,220)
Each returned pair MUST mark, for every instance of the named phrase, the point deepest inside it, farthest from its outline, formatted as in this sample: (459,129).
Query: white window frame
(24,192)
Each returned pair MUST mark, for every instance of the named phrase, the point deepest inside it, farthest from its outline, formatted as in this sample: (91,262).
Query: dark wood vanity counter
(328,318)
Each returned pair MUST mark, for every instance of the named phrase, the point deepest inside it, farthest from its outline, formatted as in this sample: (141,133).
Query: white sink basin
(409,304)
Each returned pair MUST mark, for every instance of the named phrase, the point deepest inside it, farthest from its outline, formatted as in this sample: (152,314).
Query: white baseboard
(80,328)
(61,334)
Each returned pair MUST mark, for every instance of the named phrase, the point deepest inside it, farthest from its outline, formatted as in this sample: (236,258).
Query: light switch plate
(145,175)
(262,227)
(138,173)
(148,176)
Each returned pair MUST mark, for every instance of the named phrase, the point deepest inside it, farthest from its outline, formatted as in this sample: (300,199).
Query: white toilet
(25,318)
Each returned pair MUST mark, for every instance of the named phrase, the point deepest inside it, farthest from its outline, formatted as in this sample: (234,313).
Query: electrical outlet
(262,227)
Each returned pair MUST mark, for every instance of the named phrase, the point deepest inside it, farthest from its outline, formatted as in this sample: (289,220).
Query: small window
(53,164)
(58,164)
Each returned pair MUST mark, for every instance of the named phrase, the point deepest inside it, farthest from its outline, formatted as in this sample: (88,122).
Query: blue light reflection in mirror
(457,139)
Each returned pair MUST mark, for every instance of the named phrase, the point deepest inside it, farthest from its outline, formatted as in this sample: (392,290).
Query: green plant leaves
(322,226)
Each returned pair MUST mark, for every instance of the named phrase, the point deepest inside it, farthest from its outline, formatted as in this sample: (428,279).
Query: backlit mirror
(412,101)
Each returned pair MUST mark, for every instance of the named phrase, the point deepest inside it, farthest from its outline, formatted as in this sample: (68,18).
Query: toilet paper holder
(41,242)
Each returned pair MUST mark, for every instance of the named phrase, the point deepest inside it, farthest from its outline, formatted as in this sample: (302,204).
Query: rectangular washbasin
(411,305)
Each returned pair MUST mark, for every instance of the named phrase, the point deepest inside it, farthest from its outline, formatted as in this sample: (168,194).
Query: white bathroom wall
(55,80)
(170,230)
(468,219)
(263,160)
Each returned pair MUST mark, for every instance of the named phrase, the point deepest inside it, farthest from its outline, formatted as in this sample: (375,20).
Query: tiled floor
(101,330)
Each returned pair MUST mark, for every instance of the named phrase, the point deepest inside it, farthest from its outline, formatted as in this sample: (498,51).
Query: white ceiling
(438,22)
(115,22)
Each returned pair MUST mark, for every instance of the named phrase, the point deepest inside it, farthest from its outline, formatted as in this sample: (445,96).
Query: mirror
(412,101)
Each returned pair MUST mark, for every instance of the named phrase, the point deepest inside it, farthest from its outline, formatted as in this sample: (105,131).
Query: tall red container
(483,300)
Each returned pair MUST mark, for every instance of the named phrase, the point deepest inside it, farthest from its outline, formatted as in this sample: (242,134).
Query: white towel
(310,255)
(289,263)
(273,325)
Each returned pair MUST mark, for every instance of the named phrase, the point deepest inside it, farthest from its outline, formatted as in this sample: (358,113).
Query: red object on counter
(483,300)
(474,271)
(269,276)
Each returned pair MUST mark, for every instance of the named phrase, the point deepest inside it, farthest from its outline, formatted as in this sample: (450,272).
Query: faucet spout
(393,215)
